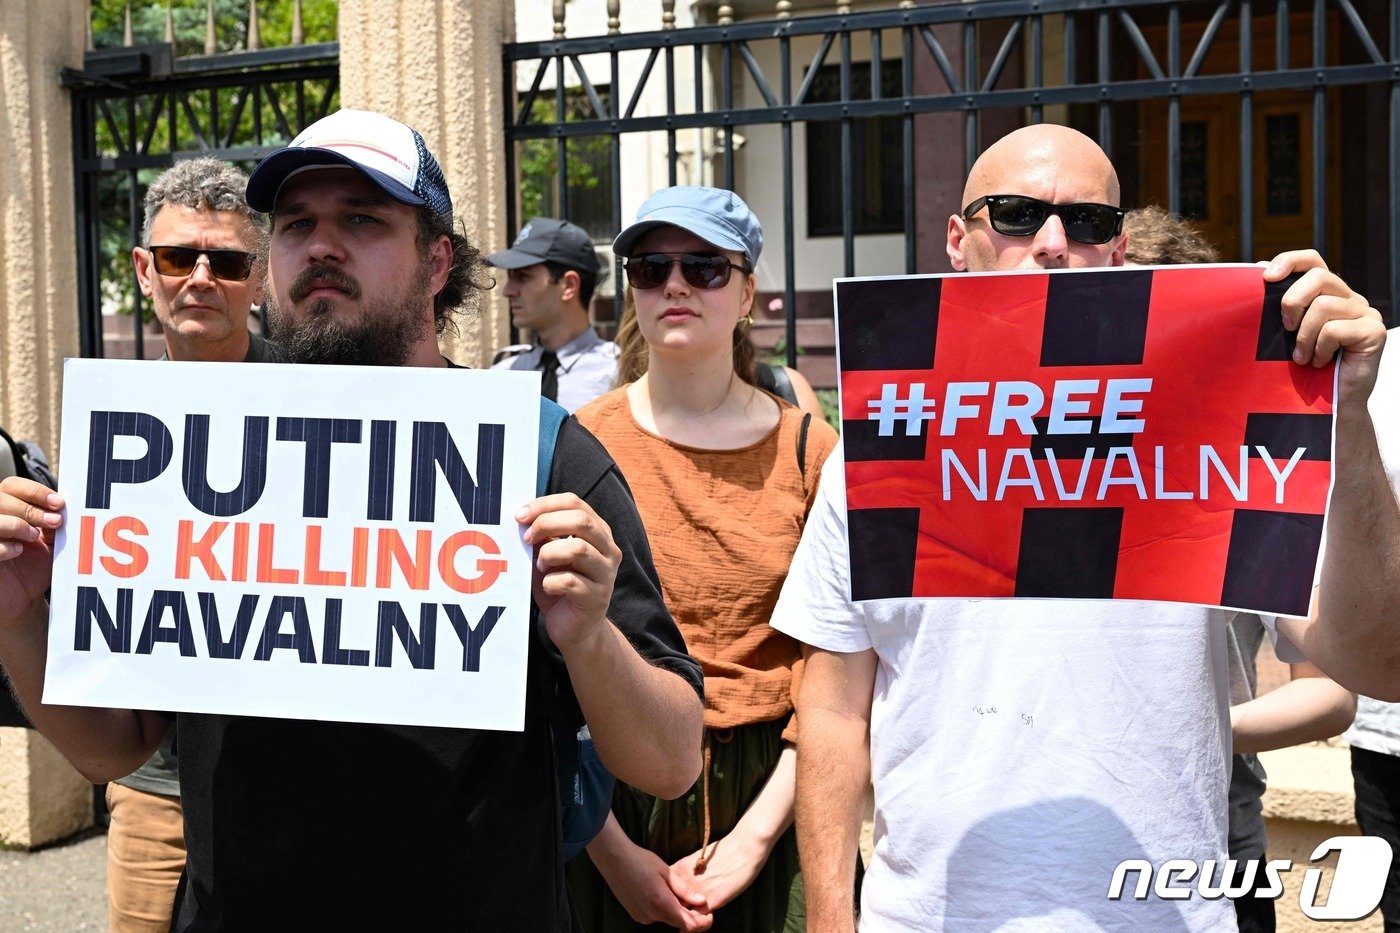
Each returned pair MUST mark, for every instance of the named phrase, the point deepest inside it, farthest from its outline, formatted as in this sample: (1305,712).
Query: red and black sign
(1126,433)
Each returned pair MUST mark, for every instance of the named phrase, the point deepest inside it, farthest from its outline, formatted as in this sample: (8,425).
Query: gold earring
(746,320)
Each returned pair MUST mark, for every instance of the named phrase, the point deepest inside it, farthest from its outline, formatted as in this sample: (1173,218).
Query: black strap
(802,443)
(775,379)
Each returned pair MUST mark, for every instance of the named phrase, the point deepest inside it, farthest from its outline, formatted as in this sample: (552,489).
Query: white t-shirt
(1021,749)
(1377,724)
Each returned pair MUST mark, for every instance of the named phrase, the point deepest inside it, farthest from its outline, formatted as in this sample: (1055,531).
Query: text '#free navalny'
(327,543)
(1108,434)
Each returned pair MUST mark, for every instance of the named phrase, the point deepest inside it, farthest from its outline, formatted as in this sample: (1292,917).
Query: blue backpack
(585,786)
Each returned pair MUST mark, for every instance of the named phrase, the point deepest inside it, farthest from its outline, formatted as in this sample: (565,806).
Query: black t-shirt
(304,825)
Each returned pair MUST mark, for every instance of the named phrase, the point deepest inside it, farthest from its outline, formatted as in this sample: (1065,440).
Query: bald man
(1021,749)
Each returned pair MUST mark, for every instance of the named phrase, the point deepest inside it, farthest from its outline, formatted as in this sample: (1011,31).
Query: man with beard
(1020,749)
(305,825)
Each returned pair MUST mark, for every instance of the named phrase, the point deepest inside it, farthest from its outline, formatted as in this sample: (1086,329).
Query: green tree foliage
(588,159)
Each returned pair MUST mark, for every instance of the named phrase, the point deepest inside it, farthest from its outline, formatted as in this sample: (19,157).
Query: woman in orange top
(724,474)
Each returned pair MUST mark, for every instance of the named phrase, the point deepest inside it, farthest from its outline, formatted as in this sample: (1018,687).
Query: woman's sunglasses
(651,270)
(1019,215)
(230,264)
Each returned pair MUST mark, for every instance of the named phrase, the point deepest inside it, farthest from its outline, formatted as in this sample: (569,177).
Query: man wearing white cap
(323,825)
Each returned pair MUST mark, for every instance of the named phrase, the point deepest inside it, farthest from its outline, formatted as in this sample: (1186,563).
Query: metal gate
(1124,71)
(136,110)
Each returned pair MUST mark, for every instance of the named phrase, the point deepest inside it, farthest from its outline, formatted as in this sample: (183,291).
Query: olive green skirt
(740,761)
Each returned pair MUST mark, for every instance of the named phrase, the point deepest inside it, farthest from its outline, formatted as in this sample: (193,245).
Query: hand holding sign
(1328,316)
(28,518)
(576,564)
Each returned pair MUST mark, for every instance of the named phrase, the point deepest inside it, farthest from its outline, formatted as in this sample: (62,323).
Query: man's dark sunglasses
(650,270)
(233,265)
(1019,215)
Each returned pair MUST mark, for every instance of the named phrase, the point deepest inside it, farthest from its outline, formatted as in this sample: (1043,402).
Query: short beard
(385,333)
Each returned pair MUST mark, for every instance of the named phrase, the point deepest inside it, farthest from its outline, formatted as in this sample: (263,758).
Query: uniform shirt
(587,368)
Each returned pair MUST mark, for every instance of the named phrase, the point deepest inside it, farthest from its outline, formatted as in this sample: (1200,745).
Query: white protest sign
(327,542)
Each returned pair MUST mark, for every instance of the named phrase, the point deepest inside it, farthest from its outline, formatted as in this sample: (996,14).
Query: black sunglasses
(650,270)
(233,265)
(1019,215)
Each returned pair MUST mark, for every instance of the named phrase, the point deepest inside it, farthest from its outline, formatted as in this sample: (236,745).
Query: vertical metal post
(1394,169)
(1105,114)
(84,185)
(1037,65)
(907,87)
(1319,133)
(789,207)
(1246,133)
(1174,111)
(672,156)
(726,78)
(615,156)
(970,85)
(848,236)
(133,200)
(562,142)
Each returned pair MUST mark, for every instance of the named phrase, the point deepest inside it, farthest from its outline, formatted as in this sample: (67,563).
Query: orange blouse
(723,525)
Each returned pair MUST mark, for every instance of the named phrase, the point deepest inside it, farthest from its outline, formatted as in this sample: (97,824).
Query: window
(876,177)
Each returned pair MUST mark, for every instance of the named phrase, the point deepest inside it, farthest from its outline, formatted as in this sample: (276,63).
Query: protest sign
(1130,433)
(326,542)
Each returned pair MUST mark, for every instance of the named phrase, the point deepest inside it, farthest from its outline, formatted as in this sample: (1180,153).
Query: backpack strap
(552,417)
(775,379)
(802,443)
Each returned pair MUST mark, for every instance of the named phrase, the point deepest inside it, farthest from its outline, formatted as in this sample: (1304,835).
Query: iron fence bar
(940,58)
(1246,134)
(907,87)
(923,15)
(1207,39)
(726,92)
(615,157)
(699,97)
(1140,42)
(153,125)
(300,95)
(641,83)
(84,185)
(1104,113)
(1395,168)
(848,208)
(238,109)
(1174,111)
(970,114)
(257,59)
(257,112)
(111,122)
(529,104)
(1071,48)
(789,209)
(1319,130)
(332,88)
(757,72)
(1003,53)
(1037,64)
(138,310)
(1362,33)
(512,207)
(1281,36)
(1144,89)
(877,55)
(274,100)
(672,155)
(593,99)
(561,151)
(817,61)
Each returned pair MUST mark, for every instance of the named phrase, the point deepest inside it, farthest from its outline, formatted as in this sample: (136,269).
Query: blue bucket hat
(716,215)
